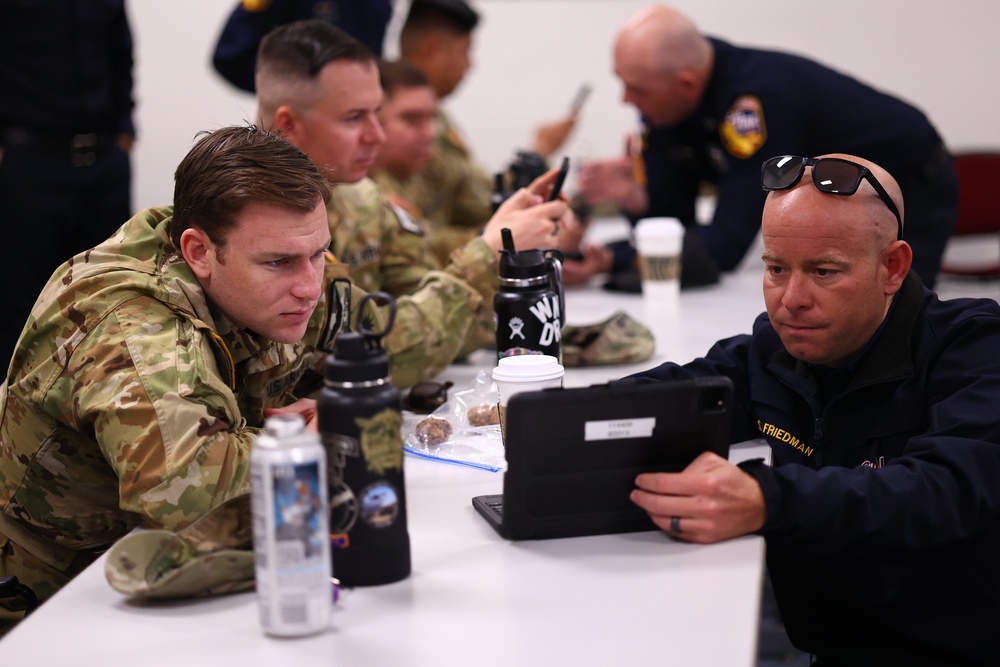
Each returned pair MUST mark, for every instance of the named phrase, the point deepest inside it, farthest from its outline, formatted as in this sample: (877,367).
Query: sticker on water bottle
(381,440)
(380,504)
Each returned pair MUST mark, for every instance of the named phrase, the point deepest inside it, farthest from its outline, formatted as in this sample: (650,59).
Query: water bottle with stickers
(360,419)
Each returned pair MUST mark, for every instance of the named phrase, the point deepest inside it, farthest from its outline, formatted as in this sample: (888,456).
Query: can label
(297,514)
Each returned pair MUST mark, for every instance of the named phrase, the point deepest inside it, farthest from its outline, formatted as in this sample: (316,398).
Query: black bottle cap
(358,356)
(354,360)
(524,264)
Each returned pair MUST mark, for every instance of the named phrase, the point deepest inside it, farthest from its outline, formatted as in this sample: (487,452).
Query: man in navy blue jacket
(881,404)
(713,111)
(235,52)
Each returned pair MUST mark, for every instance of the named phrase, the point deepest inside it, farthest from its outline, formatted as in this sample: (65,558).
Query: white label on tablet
(616,429)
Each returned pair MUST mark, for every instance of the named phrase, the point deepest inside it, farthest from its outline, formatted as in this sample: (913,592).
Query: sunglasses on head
(830,174)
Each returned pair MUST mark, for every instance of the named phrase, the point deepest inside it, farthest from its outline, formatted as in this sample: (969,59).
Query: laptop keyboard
(496,506)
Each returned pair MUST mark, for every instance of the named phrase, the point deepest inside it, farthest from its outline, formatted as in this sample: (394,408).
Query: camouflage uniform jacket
(452,193)
(442,313)
(130,400)
(442,237)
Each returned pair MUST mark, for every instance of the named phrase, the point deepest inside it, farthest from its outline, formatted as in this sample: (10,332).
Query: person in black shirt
(880,508)
(713,112)
(66,129)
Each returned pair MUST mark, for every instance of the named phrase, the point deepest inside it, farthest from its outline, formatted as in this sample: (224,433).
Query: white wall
(531,55)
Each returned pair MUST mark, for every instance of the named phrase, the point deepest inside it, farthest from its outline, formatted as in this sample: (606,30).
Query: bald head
(664,39)
(664,63)
(832,265)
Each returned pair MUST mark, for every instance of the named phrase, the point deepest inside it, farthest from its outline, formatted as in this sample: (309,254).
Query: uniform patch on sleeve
(743,131)
(256,5)
(405,221)
(456,140)
(338,315)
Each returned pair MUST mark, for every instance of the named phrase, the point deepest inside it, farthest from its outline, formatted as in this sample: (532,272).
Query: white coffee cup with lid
(529,372)
(658,243)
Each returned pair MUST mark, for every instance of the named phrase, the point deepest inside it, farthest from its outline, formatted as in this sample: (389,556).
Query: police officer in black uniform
(714,112)
(65,130)
(236,51)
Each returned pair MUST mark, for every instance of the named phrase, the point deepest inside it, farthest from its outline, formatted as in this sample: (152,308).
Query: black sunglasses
(426,397)
(830,174)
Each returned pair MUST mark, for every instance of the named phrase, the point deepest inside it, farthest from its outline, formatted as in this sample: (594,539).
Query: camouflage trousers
(42,578)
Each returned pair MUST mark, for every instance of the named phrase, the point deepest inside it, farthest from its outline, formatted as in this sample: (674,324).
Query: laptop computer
(573,454)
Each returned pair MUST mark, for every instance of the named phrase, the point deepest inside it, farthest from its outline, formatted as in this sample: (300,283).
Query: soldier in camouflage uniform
(386,250)
(409,165)
(149,362)
(319,88)
(452,191)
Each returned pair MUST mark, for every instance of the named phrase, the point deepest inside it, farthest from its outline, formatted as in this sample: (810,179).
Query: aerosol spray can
(290,536)
(360,415)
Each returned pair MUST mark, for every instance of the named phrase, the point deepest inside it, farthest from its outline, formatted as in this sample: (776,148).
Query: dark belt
(82,149)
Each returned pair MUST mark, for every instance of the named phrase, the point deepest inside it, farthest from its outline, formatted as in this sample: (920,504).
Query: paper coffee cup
(529,372)
(658,243)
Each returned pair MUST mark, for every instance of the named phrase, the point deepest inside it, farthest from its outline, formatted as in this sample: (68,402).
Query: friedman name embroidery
(781,435)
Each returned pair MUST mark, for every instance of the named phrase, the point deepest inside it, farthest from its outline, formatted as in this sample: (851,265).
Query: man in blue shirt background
(713,112)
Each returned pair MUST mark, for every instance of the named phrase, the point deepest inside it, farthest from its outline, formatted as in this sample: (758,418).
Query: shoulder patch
(396,199)
(455,139)
(743,131)
(254,6)
(405,221)
(338,316)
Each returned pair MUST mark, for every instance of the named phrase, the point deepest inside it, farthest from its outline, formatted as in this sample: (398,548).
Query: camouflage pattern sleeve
(168,424)
(448,316)
(384,246)
(464,183)
(436,315)
(406,256)
(434,215)
(451,193)
(430,329)
(476,264)
(467,184)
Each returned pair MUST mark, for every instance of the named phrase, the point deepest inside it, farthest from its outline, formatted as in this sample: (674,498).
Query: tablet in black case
(573,454)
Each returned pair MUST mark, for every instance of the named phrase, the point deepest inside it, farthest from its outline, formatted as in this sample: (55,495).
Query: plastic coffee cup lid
(659,228)
(528,368)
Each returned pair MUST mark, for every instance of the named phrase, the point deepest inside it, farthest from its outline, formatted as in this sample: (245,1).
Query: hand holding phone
(560,179)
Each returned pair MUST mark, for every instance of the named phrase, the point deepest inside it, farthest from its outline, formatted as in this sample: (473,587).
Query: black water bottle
(526,167)
(359,421)
(529,307)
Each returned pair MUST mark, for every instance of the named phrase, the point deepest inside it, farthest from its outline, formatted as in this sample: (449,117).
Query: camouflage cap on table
(617,340)
(212,556)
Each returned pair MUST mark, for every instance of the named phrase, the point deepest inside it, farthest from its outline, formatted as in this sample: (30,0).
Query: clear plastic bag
(457,440)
